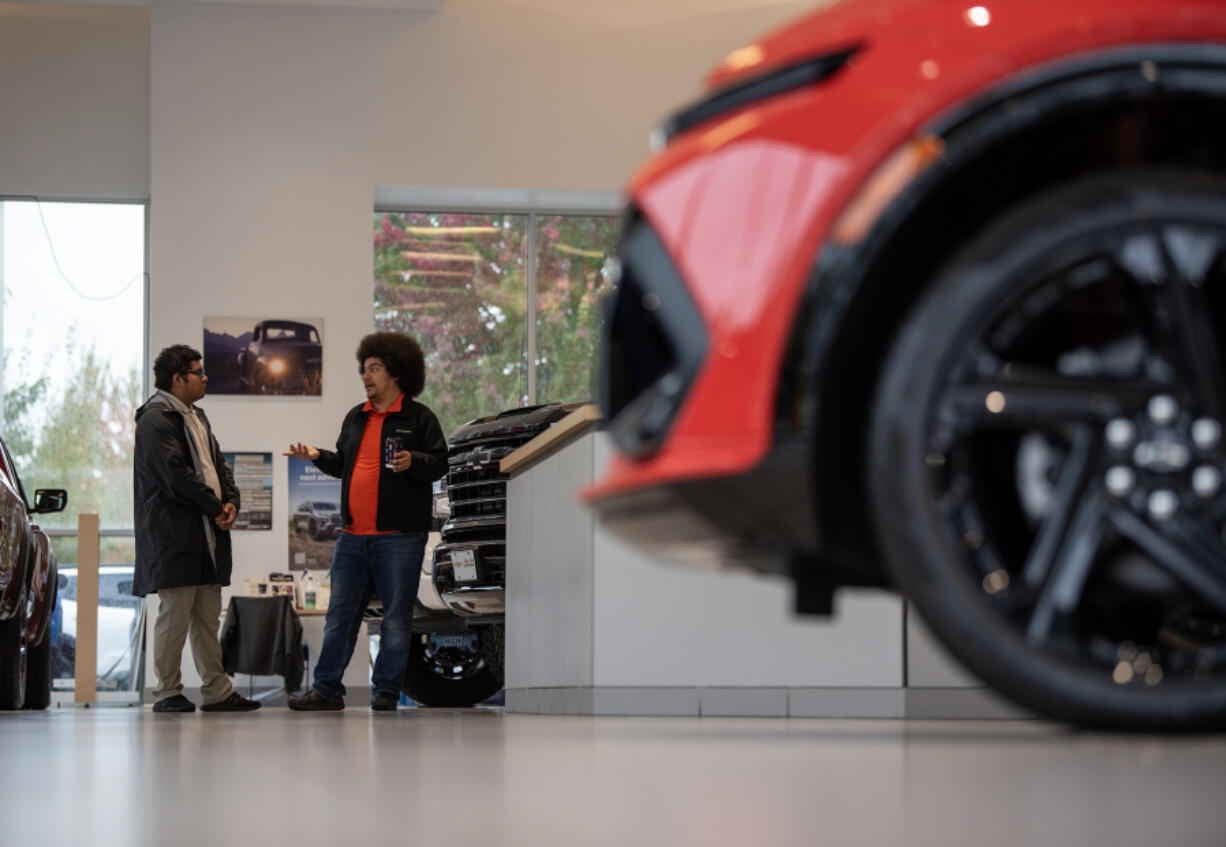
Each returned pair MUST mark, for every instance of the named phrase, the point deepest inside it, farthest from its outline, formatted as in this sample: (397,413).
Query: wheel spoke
(1170,269)
(1184,550)
(1041,398)
(1070,489)
(1061,593)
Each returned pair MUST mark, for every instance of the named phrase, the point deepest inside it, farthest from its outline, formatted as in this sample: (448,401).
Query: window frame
(532,203)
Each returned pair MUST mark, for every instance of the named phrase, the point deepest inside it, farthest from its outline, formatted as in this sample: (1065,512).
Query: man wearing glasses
(186,502)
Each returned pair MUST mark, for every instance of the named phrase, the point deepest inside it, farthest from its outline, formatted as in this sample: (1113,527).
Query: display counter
(594,626)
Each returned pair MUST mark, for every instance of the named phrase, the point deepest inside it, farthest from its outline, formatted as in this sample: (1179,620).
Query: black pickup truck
(456,657)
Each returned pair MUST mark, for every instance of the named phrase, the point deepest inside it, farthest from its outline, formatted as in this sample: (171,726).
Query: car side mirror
(50,500)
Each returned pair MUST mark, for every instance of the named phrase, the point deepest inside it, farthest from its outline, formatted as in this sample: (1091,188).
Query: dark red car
(28,583)
(931,295)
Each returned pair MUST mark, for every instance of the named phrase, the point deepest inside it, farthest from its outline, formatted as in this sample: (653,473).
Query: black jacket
(262,635)
(405,498)
(172,504)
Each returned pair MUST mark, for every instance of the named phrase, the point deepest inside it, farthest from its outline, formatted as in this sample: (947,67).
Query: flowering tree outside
(571,282)
(457,283)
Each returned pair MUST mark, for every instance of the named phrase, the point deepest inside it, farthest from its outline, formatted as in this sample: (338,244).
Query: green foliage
(19,403)
(83,440)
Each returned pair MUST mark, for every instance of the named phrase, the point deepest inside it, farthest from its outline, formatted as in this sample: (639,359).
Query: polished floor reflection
(479,777)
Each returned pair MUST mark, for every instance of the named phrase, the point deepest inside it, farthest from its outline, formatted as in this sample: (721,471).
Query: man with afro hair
(391,448)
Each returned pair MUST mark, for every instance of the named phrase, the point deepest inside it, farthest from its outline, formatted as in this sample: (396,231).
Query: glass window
(457,283)
(571,251)
(119,628)
(74,329)
(73,344)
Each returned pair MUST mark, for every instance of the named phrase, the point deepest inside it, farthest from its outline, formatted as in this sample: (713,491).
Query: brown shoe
(384,701)
(313,701)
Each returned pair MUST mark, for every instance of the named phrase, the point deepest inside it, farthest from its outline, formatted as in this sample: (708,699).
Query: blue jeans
(361,565)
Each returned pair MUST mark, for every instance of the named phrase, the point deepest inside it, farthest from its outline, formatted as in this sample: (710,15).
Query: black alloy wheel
(450,670)
(1047,464)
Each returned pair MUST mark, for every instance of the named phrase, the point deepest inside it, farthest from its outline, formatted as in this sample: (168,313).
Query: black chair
(263,636)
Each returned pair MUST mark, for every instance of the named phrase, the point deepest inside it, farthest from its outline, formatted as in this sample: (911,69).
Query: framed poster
(314,516)
(252,474)
(264,356)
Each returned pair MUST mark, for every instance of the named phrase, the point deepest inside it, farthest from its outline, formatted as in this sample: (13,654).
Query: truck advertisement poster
(314,516)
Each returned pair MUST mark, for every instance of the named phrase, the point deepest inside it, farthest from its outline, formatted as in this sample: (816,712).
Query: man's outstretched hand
(302,451)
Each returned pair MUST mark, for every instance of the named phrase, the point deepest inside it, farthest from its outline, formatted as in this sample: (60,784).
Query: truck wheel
(13,657)
(1046,462)
(313,530)
(455,670)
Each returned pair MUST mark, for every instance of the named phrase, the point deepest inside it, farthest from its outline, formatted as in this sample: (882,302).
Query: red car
(28,580)
(931,295)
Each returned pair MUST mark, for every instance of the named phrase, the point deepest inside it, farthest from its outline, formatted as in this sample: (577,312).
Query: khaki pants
(194,609)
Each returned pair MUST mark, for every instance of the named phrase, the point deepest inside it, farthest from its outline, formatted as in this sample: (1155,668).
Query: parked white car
(118,617)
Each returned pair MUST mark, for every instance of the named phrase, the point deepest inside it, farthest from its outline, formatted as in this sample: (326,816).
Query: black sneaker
(384,701)
(174,703)
(313,701)
(234,703)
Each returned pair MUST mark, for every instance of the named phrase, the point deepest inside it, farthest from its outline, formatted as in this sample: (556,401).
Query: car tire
(38,665)
(313,531)
(38,676)
(13,662)
(1069,589)
(445,679)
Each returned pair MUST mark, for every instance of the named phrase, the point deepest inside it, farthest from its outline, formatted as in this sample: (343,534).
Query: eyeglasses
(199,373)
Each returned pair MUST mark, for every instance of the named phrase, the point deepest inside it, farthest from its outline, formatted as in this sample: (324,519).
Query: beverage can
(391,446)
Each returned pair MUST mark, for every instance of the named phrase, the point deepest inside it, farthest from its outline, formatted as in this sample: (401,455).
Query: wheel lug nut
(1120,433)
(1163,504)
(1206,433)
(1120,480)
(1163,409)
(1206,481)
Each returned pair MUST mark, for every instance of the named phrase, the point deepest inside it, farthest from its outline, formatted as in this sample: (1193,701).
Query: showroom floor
(479,777)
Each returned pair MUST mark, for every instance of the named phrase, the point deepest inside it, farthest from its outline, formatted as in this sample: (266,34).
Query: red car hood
(843,24)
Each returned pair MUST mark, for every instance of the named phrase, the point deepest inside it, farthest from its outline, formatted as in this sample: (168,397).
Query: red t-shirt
(364,483)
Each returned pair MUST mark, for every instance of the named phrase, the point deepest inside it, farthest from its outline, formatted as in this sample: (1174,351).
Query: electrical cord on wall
(56,259)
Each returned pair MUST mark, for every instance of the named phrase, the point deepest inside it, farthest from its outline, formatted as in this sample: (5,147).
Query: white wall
(271,128)
(261,132)
(74,101)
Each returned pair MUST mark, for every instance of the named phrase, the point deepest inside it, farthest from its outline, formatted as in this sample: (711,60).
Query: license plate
(464,565)
(465,640)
